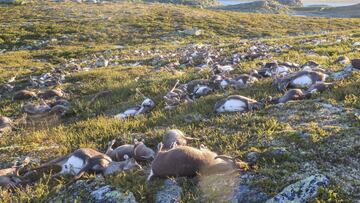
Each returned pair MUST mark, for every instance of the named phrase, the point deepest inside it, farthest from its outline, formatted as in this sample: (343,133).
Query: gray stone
(249,194)
(169,193)
(108,194)
(93,190)
(194,32)
(252,157)
(102,63)
(301,191)
(9,1)
(279,151)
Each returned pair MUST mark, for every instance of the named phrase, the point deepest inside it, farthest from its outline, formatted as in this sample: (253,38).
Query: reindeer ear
(136,141)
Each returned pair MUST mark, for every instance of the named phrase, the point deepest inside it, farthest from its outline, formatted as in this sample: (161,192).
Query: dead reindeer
(24,95)
(175,136)
(176,96)
(146,106)
(34,109)
(82,161)
(237,103)
(189,161)
(52,93)
(11,177)
(118,153)
(290,95)
(6,124)
(319,87)
(243,80)
(142,152)
(302,79)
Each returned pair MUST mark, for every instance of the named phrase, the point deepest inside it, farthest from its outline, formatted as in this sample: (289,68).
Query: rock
(252,157)
(248,194)
(190,118)
(11,2)
(278,151)
(102,63)
(93,190)
(301,191)
(169,193)
(194,32)
(108,194)
(355,63)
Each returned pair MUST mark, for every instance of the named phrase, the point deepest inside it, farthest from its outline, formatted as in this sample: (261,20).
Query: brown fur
(52,93)
(118,153)
(24,94)
(5,124)
(142,152)
(188,161)
(293,94)
(175,136)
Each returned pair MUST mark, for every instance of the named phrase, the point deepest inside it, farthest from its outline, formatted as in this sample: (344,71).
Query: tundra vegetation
(317,135)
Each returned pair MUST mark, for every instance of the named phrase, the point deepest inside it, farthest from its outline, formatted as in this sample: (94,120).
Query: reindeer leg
(150,175)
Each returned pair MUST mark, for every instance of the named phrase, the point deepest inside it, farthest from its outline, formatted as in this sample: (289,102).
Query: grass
(87,30)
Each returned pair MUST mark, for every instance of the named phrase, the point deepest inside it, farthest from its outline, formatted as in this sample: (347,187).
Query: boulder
(193,32)
(249,194)
(301,191)
(169,193)
(93,190)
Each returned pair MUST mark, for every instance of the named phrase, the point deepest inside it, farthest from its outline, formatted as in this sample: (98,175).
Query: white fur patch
(72,166)
(226,68)
(281,69)
(147,102)
(126,114)
(232,105)
(202,89)
(302,81)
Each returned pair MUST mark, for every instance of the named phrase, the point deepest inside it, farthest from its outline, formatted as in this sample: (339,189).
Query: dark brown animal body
(52,93)
(24,94)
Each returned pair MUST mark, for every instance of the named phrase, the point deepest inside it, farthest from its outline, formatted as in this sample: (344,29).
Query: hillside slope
(125,48)
(336,12)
